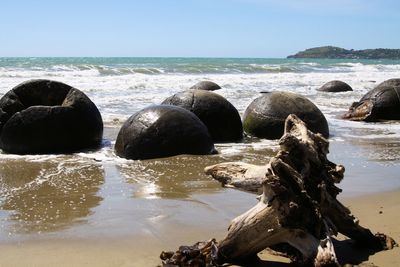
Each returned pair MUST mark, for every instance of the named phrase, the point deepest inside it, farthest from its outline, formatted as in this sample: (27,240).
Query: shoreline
(376,211)
(95,209)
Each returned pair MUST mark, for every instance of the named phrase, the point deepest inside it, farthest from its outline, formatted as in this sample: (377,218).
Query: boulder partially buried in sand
(218,114)
(43,116)
(335,87)
(381,103)
(265,116)
(206,85)
(163,131)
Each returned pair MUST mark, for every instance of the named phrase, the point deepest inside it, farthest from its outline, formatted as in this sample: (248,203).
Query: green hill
(341,53)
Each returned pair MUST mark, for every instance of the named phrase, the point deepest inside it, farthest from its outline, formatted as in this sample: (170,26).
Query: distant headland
(341,53)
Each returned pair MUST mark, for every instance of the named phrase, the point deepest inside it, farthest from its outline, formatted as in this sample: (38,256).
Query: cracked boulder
(218,114)
(381,103)
(44,116)
(162,131)
(265,116)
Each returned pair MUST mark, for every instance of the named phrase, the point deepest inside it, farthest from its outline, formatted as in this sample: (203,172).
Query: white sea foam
(122,89)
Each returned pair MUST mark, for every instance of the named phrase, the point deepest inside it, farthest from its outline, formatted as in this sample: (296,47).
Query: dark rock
(163,131)
(43,116)
(218,114)
(381,103)
(206,85)
(390,82)
(265,116)
(335,86)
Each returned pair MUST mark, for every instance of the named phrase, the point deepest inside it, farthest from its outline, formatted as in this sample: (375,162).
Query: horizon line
(211,57)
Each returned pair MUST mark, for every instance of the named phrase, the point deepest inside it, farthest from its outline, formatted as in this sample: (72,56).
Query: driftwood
(297,213)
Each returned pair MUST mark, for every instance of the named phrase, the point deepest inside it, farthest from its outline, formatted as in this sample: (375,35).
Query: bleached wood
(297,206)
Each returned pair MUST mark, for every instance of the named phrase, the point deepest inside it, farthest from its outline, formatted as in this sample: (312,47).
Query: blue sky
(210,28)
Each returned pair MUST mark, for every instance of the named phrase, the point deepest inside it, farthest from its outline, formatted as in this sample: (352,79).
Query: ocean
(92,194)
(122,86)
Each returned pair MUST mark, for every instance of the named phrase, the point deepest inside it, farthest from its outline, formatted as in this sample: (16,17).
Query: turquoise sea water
(149,65)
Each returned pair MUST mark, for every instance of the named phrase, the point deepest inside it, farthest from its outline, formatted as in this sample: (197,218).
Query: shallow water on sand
(97,194)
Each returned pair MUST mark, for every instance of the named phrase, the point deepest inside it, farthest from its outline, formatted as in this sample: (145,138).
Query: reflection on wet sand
(181,176)
(175,177)
(376,141)
(380,150)
(48,195)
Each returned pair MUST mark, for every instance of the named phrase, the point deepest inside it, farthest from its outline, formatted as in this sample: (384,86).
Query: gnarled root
(297,206)
(200,254)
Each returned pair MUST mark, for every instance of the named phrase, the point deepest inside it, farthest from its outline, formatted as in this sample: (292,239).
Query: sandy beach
(379,212)
(94,208)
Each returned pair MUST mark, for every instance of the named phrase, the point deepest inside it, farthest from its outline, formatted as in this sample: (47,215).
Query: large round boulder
(206,85)
(265,116)
(218,114)
(163,131)
(335,86)
(43,116)
(381,103)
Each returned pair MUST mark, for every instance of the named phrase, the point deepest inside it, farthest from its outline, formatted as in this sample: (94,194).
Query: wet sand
(379,212)
(94,209)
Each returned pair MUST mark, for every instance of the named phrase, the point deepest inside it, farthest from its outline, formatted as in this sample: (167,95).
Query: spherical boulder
(43,116)
(206,85)
(163,131)
(381,103)
(218,114)
(335,86)
(265,116)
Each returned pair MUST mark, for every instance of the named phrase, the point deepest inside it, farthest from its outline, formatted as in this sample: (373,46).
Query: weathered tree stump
(297,213)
